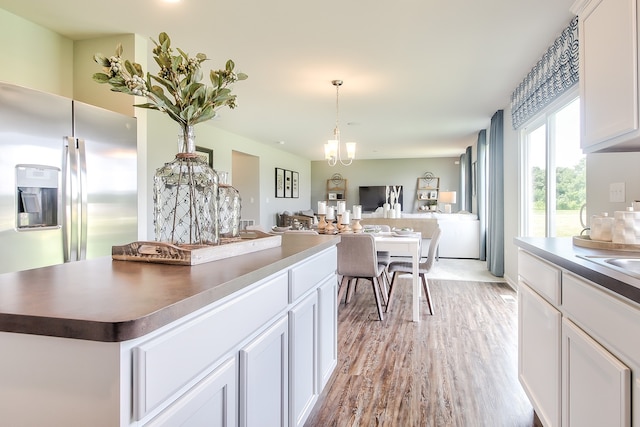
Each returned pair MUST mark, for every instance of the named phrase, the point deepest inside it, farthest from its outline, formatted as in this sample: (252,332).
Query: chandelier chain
(336,154)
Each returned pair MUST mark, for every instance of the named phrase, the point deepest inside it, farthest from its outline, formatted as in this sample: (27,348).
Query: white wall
(42,59)
(607,168)
(403,172)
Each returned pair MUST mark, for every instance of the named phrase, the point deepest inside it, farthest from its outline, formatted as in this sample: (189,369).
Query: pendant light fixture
(332,150)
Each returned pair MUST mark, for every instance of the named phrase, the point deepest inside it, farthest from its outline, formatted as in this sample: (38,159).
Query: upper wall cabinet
(609,75)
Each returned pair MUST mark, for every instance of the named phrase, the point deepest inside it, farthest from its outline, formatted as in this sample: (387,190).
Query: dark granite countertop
(113,301)
(562,252)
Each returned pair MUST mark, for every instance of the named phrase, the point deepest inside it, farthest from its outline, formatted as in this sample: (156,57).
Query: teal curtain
(481,190)
(465,192)
(462,185)
(468,191)
(495,224)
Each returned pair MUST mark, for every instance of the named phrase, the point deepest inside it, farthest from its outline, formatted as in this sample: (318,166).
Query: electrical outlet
(616,192)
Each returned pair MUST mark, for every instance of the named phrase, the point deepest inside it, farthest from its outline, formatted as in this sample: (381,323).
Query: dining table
(404,244)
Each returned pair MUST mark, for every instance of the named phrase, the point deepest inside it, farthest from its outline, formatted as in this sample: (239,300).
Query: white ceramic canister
(602,227)
(626,228)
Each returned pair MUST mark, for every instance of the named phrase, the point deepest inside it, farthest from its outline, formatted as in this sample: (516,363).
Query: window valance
(555,72)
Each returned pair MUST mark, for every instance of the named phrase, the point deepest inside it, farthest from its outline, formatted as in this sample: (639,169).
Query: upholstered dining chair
(357,259)
(396,267)
(384,257)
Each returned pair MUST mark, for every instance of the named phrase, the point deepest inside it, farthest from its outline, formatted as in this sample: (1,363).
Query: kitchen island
(578,322)
(247,340)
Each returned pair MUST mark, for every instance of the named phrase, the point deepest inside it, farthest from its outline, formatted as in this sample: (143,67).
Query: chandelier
(332,148)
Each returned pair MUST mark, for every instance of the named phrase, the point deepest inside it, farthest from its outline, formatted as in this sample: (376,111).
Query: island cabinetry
(251,358)
(303,328)
(609,94)
(313,332)
(327,330)
(211,402)
(171,361)
(264,375)
(539,336)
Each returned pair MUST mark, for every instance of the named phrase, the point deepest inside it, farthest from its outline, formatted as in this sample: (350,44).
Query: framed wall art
(287,183)
(206,154)
(295,189)
(279,182)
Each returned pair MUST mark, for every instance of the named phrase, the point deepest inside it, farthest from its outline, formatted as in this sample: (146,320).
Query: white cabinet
(459,239)
(578,358)
(327,330)
(596,385)
(212,402)
(539,354)
(539,336)
(257,357)
(609,75)
(264,378)
(303,332)
(313,332)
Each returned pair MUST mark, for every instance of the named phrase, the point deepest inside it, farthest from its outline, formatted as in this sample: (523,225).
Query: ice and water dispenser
(36,196)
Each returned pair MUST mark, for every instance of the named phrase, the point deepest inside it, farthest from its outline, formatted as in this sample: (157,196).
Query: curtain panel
(481,191)
(555,72)
(495,224)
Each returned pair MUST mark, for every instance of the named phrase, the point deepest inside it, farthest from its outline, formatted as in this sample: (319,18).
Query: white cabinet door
(303,373)
(609,74)
(596,386)
(327,330)
(539,362)
(212,402)
(264,378)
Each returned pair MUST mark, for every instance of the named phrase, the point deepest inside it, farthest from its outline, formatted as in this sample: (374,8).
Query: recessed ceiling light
(171,1)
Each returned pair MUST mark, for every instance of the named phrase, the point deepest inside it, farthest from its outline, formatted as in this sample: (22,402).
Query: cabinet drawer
(609,319)
(212,402)
(309,273)
(541,276)
(168,363)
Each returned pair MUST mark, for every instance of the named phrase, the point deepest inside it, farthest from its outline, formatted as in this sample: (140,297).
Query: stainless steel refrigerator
(68,180)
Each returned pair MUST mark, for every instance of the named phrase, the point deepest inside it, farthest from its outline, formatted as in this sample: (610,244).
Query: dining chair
(396,267)
(384,257)
(357,259)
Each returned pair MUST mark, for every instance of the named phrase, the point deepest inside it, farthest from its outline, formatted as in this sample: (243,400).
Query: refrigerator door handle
(83,202)
(70,196)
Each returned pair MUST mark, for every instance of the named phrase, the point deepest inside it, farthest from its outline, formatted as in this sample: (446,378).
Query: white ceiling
(421,77)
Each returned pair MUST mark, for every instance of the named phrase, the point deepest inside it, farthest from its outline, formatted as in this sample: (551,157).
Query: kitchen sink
(631,264)
(628,265)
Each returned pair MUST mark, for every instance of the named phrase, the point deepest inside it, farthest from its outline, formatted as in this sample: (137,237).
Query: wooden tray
(166,253)
(586,242)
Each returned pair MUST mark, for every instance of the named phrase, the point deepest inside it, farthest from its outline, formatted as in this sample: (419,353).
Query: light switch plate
(616,192)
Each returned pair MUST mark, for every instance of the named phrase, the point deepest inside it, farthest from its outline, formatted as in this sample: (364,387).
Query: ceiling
(421,77)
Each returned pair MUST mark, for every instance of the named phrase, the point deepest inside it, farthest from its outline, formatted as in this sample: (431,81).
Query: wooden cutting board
(586,242)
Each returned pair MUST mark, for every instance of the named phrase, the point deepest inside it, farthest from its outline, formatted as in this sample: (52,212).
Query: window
(553,173)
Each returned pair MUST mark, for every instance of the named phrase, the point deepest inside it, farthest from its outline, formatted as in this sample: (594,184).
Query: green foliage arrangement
(186,100)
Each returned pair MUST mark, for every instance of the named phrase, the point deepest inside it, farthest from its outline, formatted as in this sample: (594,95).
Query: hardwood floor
(455,368)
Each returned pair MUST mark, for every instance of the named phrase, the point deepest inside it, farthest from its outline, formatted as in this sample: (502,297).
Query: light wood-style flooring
(455,368)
